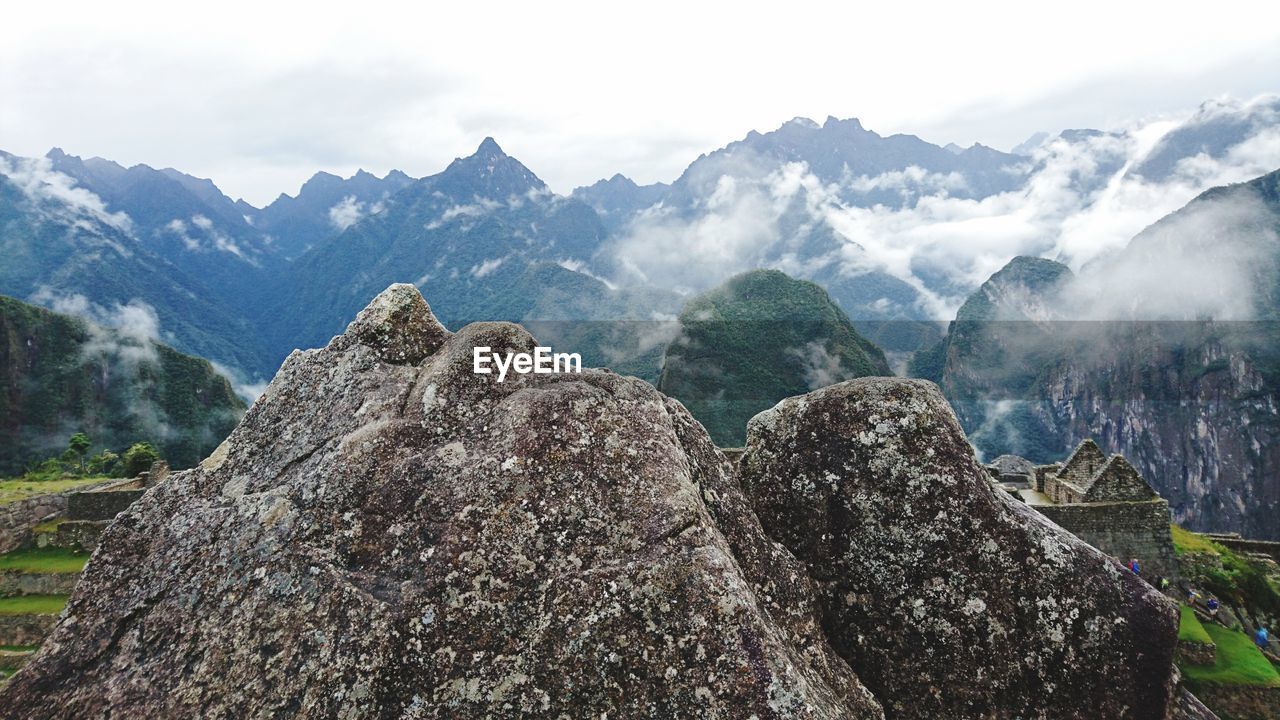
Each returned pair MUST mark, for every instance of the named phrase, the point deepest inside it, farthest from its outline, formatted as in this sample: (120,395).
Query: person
(1213,606)
(1133,565)
(1191,596)
(1261,638)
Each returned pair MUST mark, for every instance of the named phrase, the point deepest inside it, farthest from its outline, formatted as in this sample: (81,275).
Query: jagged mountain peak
(489,173)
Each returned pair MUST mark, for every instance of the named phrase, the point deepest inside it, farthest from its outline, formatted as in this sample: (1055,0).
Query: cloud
(56,192)
(248,390)
(217,239)
(819,366)
(346,213)
(127,331)
(1081,202)
(484,268)
(1215,259)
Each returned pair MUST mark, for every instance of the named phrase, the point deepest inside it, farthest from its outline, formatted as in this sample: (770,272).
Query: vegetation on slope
(21,489)
(759,338)
(44,560)
(60,375)
(32,604)
(1190,629)
(1239,662)
(1220,571)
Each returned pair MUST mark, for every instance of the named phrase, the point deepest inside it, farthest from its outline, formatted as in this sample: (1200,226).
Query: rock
(947,598)
(387,534)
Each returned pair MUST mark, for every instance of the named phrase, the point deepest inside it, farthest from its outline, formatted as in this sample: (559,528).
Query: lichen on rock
(385,536)
(947,598)
(388,534)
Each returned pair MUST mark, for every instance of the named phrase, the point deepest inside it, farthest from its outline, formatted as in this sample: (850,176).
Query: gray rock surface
(946,597)
(388,535)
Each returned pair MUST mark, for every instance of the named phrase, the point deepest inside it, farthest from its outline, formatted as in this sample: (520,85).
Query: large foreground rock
(388,535)
(949,599)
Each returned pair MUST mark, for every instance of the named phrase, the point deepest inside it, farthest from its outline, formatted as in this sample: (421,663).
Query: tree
(138,458)
(103,463)
(78,448)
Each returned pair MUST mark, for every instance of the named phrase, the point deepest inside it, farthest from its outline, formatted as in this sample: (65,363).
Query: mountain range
(902,234)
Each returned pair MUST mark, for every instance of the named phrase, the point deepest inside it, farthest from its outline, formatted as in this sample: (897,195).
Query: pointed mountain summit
(488,173)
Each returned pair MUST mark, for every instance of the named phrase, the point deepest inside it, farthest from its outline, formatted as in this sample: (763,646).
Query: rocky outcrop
(948,598)
(386,537)
(387,534)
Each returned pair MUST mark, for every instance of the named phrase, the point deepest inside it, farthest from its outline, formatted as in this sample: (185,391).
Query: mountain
(326,205)
(184,220)
(1167,352)
(60,375)
(387,534)
(470,237)
(779,200)
(867,168)
(760,337)
(63,245)
(1214,131)
(619,198)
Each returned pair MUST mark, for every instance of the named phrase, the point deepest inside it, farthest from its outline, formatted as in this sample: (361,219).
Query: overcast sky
(261,95)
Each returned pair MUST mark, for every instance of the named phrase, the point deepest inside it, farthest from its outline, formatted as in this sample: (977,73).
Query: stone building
(1102,500)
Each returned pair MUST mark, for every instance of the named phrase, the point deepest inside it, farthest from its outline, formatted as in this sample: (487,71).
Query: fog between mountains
(1082,201)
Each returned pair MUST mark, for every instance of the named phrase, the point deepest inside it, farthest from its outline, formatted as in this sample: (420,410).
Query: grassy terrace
(1190,629)
(32,604)
(19,648)
(1239,662)
(44,560)
(14,490)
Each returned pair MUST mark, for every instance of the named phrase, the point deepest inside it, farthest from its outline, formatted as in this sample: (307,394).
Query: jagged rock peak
(946,597)
(489,147)
(399,324)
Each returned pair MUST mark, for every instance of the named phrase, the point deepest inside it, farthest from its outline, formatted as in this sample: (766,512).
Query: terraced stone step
(68,534)
(27,619)
(13,657)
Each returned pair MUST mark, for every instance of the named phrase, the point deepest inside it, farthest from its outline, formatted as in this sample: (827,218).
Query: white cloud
(55,192)
(346,212)
(486,267)
(262,104)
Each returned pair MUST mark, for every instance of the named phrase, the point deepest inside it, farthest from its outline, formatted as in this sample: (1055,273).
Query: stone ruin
(1102,500)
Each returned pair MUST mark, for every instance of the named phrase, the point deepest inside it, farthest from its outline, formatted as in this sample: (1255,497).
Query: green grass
(32,604)
(1190,629)
(19,648)
(44,560)
(1239,662)
(14,490)
(1185,541)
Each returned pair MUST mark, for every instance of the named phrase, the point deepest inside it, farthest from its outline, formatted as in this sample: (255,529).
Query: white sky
(261,95)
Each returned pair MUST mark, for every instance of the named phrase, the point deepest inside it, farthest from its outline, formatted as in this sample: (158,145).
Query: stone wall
(17,518)
(1042,472)
(100,505)
(1083,464)
(1240,702)
(72,534)
(1122,530)
(17,583)
(1270,548)
(1197,653)
(25,629)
